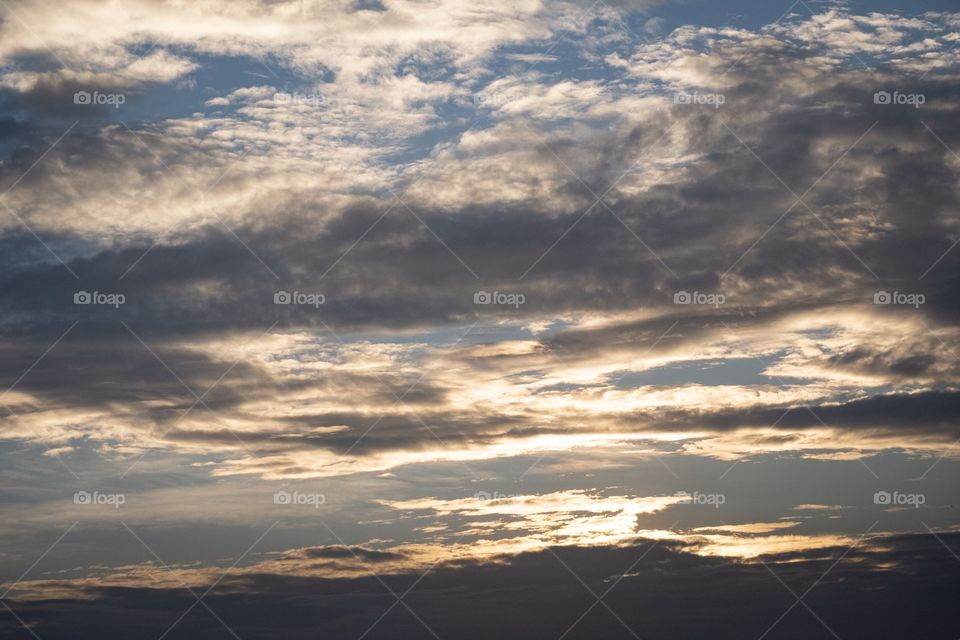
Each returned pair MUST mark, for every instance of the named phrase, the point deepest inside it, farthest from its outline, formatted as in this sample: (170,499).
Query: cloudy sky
(442,319)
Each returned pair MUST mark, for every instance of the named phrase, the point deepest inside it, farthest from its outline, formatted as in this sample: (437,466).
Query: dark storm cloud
(341,553)
(400,275)
(897,362)
(928,413)
(897,586)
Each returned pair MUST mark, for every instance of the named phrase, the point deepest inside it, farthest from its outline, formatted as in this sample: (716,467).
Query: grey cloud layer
(503,198)
(890,586)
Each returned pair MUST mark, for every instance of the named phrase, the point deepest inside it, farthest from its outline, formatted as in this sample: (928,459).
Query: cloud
(892,583)
(376,186)
(721,247)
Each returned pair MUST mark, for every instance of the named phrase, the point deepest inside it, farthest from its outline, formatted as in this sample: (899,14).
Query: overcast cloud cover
(486,287)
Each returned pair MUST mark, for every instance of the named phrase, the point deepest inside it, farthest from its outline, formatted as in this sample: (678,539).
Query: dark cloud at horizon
(886,587)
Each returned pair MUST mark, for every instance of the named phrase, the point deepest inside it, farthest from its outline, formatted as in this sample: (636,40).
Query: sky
(428,318)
